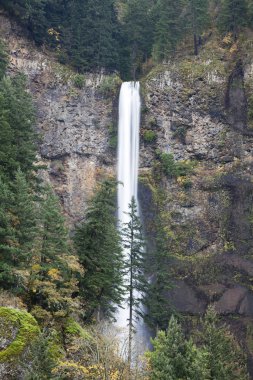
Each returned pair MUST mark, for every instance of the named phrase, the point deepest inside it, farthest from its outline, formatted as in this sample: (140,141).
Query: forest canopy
(122,35)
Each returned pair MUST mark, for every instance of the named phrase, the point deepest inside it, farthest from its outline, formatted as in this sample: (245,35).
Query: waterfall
(128,165)
(128,160)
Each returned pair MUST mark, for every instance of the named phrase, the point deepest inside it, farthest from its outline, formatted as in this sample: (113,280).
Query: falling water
(128,164)
(128,160)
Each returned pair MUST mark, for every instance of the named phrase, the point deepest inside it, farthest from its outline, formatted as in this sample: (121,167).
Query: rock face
(197,108)
(73,123)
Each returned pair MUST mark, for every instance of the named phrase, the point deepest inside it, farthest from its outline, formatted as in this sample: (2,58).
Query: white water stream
(128,165)
(128,160)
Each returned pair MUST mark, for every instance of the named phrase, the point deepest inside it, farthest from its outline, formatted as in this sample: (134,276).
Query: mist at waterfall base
(128,164)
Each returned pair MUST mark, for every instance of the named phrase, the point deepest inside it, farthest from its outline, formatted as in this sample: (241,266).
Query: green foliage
(27,328)
(3,60)
(226,359)
(79,81)
(232,16)
(215,356)
(38,362)
(17,118)
(175,357)
(139,29)
(155,298)
(149,136)
(113,136)
(168,28)
(172,168)
(98,246)
(133,244)
(110,85)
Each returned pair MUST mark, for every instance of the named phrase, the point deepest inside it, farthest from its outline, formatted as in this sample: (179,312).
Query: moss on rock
(27,330)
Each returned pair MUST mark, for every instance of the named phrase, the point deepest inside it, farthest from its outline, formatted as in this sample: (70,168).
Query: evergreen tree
(54,233)
(7,277)
(233,16)
(19,230)
(98,246)
(215,356)
(17,117)
(91,35)
(24,219)
(139,28)
(175,357)
(250,13)
(226,360)
(156,297)
(197,20)
(134,265)
(167,29)
(3,59)
(51,282)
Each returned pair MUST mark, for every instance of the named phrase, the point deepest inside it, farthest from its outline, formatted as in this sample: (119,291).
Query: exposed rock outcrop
(73,122)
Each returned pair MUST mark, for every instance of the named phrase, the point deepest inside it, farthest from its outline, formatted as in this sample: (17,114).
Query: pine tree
(134,265)
(90,37)
(175,357)
(226,359)
(167,29)
(3,60)
(197,20)
(99,249)
(51,280)
(156,297)
(24,218)
(139,28)
(250,13)
(18,118)
(233,16)
(7,277)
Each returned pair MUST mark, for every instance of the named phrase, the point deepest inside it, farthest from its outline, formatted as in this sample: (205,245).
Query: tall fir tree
(7,277)
(99,249)
(196,20)
(210,353)
(3,59)
(51,282)
(91,36)
(139,28)
(175,357)
(167,29)
(136,285)
(18,118)
(226,359)
(233,16)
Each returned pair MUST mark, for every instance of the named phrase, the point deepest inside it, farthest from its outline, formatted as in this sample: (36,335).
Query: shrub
(149,136)
(110,85)
(79,81)
(172,168)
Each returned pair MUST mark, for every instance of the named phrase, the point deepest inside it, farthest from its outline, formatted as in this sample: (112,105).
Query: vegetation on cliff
(124,35)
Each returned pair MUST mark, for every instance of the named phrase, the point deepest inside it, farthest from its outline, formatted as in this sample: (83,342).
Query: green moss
(73,328)
(27,327)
